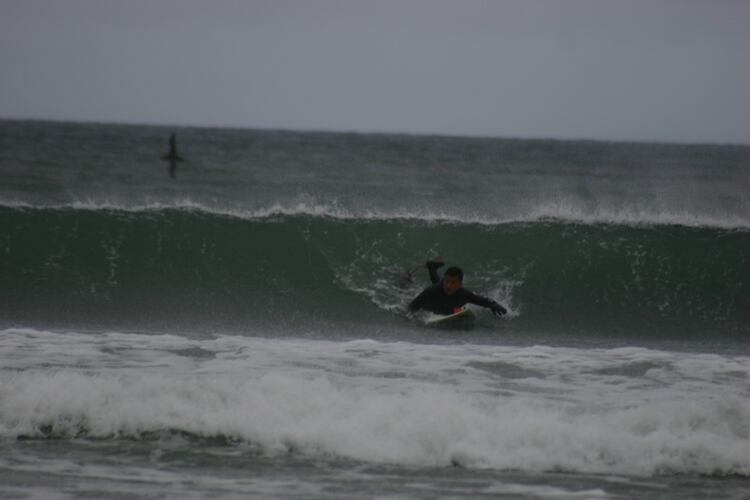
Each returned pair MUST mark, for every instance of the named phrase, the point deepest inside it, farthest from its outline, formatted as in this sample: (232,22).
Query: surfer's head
(453,280)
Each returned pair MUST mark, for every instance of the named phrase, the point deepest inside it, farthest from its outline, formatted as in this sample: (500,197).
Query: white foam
(548,211)
(624,411)
(635,216)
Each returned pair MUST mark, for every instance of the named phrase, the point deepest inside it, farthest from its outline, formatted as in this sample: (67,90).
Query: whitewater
(241,331)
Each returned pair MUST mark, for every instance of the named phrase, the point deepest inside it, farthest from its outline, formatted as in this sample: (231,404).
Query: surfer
(448,295)
(172,157)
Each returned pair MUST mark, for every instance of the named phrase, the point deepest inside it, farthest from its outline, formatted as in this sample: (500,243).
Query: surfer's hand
(434,264)
(498,310)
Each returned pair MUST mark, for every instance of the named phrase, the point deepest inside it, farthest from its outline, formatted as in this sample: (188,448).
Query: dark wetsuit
(434,298)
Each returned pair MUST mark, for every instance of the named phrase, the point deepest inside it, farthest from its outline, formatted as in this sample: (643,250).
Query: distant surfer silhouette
(172,157)
(448,295)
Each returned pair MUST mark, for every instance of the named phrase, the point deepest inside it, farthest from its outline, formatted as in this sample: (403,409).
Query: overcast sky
(663,70)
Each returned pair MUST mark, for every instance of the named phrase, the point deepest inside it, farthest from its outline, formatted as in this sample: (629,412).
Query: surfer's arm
(432,267)
(473,298)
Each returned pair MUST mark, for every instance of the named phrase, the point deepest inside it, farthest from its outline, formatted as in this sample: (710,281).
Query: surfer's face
(451,284)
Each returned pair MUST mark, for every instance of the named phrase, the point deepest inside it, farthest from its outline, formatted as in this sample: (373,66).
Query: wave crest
(551,211)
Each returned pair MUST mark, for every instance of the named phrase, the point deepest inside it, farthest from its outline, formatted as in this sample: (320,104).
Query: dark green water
(137,269)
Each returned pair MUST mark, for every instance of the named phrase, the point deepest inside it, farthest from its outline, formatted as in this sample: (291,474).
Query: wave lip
(637,217)
(547,212)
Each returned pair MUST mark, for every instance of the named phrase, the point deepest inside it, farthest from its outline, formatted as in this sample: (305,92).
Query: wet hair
(455,271)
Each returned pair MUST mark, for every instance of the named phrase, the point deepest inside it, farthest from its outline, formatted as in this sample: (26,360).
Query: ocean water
(241,331)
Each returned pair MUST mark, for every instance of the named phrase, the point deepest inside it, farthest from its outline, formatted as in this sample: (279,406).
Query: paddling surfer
(447,295)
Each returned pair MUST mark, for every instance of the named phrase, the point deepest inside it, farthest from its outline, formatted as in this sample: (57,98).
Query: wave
(563,212)
(621,411)
(282,414)
(193,265)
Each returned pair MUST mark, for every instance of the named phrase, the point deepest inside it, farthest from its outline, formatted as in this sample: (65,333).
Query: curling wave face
(187,265)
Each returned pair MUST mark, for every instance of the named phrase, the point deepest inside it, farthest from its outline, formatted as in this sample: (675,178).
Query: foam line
(624,411)
(545,213)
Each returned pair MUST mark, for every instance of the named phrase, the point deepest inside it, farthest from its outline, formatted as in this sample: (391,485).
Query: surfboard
(461,319)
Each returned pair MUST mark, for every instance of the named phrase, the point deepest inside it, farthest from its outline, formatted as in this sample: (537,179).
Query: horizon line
(324,130)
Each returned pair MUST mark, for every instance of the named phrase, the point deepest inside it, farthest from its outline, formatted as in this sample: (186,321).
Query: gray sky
(664,70)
